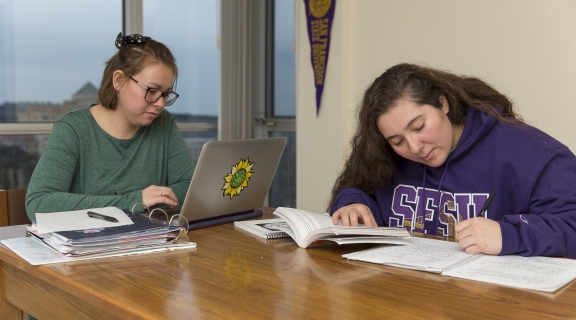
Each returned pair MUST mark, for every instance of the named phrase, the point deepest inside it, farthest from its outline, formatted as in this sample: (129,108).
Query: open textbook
(307,227)
(447,258)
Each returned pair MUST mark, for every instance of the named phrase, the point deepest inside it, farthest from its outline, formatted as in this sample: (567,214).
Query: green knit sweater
(84,167)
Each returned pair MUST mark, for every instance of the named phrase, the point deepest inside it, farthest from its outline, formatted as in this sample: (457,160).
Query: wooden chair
(13,207)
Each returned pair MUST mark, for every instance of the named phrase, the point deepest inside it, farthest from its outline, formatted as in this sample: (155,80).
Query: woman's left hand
(479,234)
(154,195)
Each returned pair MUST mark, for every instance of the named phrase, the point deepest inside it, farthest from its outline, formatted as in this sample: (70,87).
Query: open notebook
(544,274)
(231,180)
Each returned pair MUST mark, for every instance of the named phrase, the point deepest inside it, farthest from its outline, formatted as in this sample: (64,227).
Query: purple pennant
(319,16)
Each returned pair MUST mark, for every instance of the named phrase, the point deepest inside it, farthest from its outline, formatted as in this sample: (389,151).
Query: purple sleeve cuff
(346,200)
(511,239)
(352,195)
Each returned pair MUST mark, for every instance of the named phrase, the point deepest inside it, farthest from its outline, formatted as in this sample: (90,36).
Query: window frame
(264,121)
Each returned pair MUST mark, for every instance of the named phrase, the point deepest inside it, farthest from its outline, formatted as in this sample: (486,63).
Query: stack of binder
(136,233)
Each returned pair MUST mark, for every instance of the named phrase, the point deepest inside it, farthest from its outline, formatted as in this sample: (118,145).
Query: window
(284,61)
(282,99)
(252,38)
(191,36)
(41,76)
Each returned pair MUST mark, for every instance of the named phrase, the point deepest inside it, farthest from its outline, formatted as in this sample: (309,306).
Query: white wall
(525,48)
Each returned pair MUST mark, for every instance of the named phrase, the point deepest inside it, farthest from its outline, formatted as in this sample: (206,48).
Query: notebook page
(537,273)
(79,220)
(421,254)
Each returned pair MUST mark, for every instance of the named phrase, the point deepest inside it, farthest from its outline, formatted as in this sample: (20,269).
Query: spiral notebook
(231,180)
(264,228)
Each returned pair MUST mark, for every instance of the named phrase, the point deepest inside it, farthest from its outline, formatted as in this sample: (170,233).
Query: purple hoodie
(534,176)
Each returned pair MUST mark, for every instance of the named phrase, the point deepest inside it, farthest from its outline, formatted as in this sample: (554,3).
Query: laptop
(231,180)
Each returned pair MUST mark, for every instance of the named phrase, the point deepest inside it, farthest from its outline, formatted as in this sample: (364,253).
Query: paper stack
(73,235)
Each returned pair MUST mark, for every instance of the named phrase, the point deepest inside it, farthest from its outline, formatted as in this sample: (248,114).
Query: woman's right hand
(154,195)
(353,214)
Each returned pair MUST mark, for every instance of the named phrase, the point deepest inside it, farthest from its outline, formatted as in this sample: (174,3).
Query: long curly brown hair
(372,160)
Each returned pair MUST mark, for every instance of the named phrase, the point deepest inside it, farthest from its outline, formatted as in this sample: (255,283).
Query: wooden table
(235,275)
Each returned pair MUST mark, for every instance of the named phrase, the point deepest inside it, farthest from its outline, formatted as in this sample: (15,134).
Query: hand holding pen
(480,235)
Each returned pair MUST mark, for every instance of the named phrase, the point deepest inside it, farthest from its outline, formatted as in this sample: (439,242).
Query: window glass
(196,140)
(51,60)
(191,36)
(188,28)
(283,189)
(284,60)
(18,157)
(52,56)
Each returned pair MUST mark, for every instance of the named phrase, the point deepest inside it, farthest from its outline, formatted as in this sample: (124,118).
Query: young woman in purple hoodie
(431,146)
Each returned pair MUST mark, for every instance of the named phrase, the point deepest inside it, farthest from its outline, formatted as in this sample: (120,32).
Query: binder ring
(151,212)
(182,217)
(145,207)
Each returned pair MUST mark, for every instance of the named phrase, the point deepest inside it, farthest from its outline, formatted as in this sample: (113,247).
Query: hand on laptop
(154,195)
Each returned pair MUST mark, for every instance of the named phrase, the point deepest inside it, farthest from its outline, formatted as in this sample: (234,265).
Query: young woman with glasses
(124,150)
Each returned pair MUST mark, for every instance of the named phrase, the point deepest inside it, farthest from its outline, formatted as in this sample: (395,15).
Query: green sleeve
(48,190)
(180,163)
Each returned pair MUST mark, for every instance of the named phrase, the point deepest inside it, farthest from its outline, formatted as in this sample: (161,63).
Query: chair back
(13,207)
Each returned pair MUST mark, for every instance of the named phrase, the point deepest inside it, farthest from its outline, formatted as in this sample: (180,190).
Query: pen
(97,215)
(487,203)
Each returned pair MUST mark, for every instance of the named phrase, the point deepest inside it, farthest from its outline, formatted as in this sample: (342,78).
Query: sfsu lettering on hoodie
(418,210)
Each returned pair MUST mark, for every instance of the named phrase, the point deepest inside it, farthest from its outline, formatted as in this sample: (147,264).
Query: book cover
(264,228)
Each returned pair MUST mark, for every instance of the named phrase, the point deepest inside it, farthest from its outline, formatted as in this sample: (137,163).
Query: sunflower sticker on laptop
(238,178)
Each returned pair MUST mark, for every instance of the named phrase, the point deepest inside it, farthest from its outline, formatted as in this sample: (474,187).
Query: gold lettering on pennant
(319,32)
(319,29)
(315,27)
(319,59)
(323,27)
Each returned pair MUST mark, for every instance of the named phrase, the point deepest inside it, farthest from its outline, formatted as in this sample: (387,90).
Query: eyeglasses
(153,95)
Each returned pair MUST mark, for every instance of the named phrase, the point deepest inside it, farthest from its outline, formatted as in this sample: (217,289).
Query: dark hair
(371,163)
(132,58)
